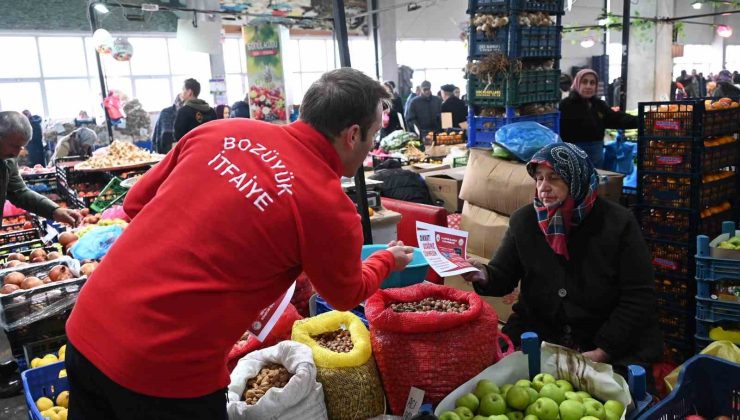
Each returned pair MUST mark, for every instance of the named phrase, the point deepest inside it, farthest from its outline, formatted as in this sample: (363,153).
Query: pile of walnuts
(270,376)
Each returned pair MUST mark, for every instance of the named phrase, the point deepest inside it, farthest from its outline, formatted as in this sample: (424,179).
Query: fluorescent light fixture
(696,5)
(588,42)
(725,31)
(101,8)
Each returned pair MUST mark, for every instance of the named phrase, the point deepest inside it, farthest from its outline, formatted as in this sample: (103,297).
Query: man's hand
(67,216)
(597,355)
(480,276)
(403,254)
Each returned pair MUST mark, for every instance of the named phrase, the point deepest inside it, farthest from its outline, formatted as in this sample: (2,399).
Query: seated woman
(77,143)
(585,270)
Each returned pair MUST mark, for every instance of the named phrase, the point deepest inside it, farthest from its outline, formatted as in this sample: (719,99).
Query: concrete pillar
(387,41)
(642,57)
(663,52)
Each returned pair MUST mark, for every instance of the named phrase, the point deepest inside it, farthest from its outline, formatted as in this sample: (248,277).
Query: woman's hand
(480,277)
(597,355)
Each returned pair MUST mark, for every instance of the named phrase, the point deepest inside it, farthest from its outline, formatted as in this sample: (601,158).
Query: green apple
(594,408)
(498,417)
(517,398)
(464,413)
(481,418)
(449,415)
(533,395)
(583,395)
(529,411)
(541,379)
(468,400)
(530,417)
(570,395)
(590,418)
(564,385)
(515,415)
(483,387)
(523,382)
(505,389)
(613,409)
(545,408)
(491,405)
(553,392)
(571,410)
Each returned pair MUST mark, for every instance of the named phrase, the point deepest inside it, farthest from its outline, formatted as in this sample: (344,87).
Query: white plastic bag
(598,379)
(302,398)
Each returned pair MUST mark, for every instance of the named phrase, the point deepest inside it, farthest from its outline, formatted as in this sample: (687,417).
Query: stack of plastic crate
(687,186)
(528,33)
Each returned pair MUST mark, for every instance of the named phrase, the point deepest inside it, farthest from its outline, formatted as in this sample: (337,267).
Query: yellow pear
(63,399)
(35,362)
(63,373)
(62,414)
(44,404)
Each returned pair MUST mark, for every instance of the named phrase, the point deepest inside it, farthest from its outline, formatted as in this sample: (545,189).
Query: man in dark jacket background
(454,105)
(194,111)
(164,129)
(425,111)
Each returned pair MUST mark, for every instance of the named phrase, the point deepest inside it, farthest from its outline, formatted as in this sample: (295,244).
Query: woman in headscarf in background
(222,112)
(584,270)
(584,117)
(77,143)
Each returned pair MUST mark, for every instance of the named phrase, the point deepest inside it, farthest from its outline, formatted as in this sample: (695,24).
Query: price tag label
(416,397)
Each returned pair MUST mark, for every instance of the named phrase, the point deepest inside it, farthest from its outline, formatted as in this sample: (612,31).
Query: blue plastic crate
(482,130)
(43,382)
(707,385)
(415,271)
(553,7)
(716,310)
(322,307)
(704,330)
(480,45)
(535,42)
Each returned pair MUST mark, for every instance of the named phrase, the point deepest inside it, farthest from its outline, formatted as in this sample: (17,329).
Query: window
(154,94)
(614,51)
(62,56)
(148,57)
(696,57)
(236,69)
(732,57)
(20,96)
(443,67)
(67,97)
(25,57)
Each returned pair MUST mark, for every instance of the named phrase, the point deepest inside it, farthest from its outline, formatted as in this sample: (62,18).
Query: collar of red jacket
(318,143)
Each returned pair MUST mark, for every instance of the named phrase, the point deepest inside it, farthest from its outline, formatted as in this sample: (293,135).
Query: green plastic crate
(515,88)
(112,193)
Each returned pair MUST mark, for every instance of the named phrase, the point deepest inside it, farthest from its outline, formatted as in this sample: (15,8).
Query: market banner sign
(263,46)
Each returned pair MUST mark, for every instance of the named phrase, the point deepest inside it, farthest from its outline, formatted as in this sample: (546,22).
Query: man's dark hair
(193,85)
(341,98)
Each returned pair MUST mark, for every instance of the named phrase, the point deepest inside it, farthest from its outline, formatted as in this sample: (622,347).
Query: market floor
(13,408)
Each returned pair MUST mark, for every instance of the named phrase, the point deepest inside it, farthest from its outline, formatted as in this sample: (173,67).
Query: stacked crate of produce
(687,186)
(513,65)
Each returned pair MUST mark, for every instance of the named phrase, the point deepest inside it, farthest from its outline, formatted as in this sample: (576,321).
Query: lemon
(62,350)
(63,399)
(44,404)
(62,414)
(50,415)
(63,373)
(35,362)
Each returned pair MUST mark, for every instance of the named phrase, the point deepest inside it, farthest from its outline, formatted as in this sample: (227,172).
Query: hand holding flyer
(444,249)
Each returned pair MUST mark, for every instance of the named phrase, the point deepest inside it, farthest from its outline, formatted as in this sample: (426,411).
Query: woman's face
(587,88)
(551,189)
(227,112)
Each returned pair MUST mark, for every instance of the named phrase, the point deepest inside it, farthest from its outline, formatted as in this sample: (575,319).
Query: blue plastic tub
(414,273)
(43,382)
(322,307)
(482,130)
(707,386)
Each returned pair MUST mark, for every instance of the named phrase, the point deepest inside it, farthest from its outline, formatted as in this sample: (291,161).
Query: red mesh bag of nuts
(432,337)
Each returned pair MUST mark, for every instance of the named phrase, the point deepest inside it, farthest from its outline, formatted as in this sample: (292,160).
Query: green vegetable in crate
(397,140)
(733,243)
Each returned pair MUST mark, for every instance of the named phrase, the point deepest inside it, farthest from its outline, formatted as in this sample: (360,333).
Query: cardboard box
(420,168)
(496,184)
(445,186)
(485,229)
(384,225)
(610,185)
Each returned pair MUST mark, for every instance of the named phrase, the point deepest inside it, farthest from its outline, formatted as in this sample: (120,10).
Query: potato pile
(119,153)
(270,376)
(430,304)
(339,341)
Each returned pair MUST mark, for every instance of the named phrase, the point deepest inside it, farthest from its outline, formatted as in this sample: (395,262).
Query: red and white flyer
(444,249)
(268,317)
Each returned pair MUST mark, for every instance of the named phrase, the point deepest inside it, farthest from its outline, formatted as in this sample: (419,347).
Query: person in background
(711,87)
(425,111)
(565,82)
(411,97)
(15,133)
(194,111)
(222,112)
(454,105)
(80,142)
(240,109)
(395,113)
(702,85)
(584,118)
(35,147)
(456,92)
(692,85)
(159,351)
(164,128)
(725,88)
(584,269)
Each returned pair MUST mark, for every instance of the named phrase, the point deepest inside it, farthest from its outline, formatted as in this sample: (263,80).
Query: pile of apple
(544,398)
(16,280)
(16,259)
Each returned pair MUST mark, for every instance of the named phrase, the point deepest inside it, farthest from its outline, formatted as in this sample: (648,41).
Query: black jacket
(458,109)
(727,90)
(603,296)
(586,120)
(192,114)
(425,112)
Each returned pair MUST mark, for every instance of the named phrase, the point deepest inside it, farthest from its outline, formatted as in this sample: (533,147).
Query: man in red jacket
(220,229)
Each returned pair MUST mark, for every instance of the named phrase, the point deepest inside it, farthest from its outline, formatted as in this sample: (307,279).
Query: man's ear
(351,136)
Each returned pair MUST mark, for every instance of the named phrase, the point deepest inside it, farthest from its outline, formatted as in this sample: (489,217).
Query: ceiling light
(101,8)
(696,5)
(725,31)
(588,42)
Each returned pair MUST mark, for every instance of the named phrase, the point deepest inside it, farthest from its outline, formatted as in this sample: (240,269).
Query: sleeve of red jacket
(331,259)
(146,188)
